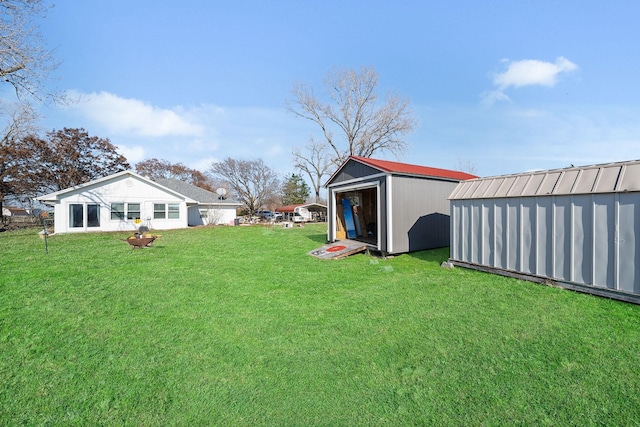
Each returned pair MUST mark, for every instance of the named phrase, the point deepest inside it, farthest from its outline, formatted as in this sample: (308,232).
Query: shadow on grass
(437,256)
(321,239)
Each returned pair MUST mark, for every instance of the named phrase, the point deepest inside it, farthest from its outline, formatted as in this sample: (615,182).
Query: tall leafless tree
(352,118)
(468,166)
(314,162)
(252,181)
(25,62)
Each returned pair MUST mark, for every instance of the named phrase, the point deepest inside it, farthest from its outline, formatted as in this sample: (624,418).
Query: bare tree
(252,181)
(351,109)
(314,162)
(467,166)
(25,62)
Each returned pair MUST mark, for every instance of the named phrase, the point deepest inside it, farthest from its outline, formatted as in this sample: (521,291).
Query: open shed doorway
(364,211)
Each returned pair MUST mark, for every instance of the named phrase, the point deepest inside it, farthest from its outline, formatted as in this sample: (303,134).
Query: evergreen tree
(294,190)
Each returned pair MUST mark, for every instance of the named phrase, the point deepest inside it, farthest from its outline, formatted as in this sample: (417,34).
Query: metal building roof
(605,178)
(409,169)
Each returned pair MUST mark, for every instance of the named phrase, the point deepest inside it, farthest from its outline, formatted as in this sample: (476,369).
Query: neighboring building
(304,212)
(577,227)
(399,207)
(126,201)
(211,209)
(14,211)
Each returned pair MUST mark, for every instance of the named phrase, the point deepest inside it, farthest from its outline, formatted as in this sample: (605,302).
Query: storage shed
(577,227)
(395,207)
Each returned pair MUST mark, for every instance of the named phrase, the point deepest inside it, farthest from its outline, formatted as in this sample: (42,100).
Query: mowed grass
(239,326)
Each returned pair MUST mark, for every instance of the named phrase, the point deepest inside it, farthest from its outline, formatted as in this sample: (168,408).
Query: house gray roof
(194,192)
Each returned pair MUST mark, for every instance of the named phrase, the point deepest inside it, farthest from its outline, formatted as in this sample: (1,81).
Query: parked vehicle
(301,214)
(269,215)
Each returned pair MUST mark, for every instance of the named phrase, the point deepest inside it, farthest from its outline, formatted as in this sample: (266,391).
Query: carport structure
(397,207)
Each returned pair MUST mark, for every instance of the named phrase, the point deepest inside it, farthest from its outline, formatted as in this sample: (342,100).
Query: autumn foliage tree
(13,157)
(156,169)
(69,157)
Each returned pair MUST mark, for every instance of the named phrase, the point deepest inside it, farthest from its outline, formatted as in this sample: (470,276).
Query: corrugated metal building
(578,227)
(399,207)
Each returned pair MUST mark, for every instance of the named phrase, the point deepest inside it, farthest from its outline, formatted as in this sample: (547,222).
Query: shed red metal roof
(405,168)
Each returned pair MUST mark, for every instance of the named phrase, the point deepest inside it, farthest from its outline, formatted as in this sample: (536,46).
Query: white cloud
(527,72)
(532,72)
(132,154)
(131,116)
(196,136)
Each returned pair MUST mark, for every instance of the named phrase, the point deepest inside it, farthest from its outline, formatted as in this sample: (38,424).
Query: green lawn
(239,326)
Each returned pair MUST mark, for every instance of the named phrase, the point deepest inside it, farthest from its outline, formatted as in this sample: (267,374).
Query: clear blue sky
(508,85)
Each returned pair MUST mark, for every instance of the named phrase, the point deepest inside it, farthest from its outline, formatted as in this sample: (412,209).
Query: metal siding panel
(544,236)
(475,233)
(513,234)
(500,255)
(456,230)
(466,236)
(582,240)
(604,240)
(487,232)
(527,235)
(562,244)
(629,218)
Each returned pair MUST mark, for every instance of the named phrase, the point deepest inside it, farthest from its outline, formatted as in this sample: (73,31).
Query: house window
(77,215)
(133,210)
(93,215)
(120,211)
(166,210)
(117,211)
(159,211)
(174,211)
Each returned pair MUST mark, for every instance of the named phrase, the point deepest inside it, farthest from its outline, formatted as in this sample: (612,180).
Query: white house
(125,201)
